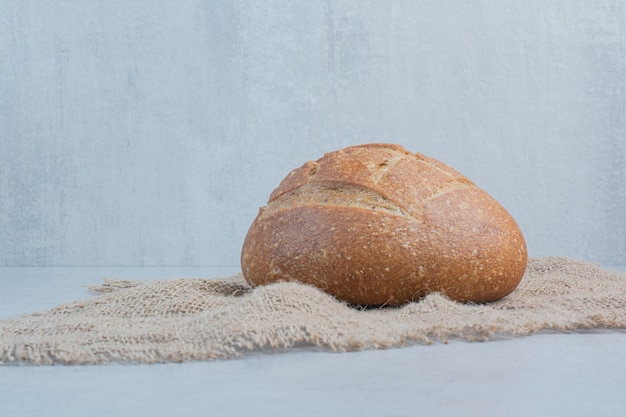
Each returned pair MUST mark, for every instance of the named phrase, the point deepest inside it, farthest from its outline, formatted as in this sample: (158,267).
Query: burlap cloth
(200,319)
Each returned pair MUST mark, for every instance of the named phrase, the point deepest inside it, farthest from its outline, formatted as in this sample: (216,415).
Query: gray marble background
(149,132)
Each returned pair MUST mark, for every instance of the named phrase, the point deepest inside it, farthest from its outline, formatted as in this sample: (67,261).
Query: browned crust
(376,225)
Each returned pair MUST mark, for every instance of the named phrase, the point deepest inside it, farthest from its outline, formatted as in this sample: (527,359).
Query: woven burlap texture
(202,319)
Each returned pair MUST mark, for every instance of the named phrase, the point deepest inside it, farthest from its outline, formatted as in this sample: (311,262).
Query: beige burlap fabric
(198,319)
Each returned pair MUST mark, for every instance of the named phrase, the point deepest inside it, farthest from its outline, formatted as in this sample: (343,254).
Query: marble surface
(542,375)
(149,132)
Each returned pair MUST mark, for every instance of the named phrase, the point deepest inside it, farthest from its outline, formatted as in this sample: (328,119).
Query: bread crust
(376,225)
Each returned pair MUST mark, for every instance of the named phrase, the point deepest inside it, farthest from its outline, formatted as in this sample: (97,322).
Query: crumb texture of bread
(377,225)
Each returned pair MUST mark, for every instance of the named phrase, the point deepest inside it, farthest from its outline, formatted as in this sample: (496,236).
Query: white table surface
(542,375)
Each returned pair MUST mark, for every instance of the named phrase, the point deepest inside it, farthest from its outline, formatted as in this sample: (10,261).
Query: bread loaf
(376,225)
